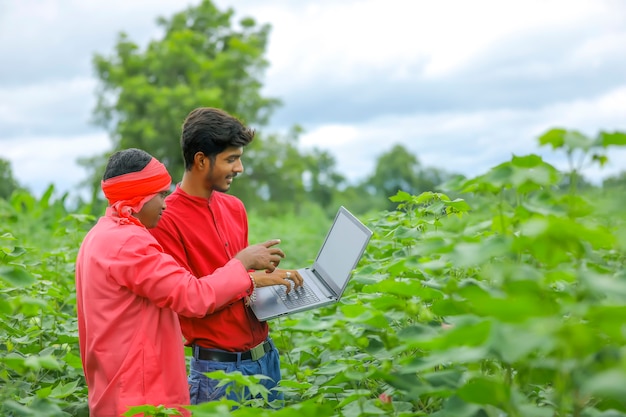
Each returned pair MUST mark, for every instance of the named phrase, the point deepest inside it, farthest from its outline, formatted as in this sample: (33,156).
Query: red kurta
(128,294)
(204,234)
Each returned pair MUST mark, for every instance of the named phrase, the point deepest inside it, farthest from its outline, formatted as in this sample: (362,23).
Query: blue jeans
(202,389)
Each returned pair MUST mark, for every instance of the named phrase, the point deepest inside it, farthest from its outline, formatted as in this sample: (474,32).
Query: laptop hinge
(323,282)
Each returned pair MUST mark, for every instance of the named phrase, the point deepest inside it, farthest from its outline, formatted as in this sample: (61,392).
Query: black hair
(126,161)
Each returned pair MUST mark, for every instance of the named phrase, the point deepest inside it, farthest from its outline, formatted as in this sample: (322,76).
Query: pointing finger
(271,242)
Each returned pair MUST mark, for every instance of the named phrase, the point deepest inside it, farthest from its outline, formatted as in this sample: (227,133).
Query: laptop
(325,280)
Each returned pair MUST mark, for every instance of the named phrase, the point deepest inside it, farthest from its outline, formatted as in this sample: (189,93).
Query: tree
(400,170)
(360,199)
(8,184)
(395,170)
(201,60)
(277,173)
(323,179)
(273,173)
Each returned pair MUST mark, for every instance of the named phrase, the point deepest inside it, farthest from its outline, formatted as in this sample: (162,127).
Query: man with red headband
(129,293)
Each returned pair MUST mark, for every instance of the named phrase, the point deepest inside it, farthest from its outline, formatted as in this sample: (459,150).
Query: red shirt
(129,295)
(203,235)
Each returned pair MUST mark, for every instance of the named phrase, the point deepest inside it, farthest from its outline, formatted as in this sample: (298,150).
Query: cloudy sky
(463,85)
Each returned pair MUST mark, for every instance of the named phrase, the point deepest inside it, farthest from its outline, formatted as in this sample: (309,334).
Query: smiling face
(219,173)
(150,213)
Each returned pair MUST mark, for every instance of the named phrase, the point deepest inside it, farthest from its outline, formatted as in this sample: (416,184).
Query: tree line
(204,59)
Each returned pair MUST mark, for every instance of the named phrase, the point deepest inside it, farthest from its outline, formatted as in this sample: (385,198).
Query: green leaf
(485,390)
(416,332)
(15,252)
(456,407)
(151,410)
(568,139)
(459,205)
(333,368)
(44,392)
(403,289)
(608,384)
(236,377)
(308,324)
(614,138)
(553,137)
(447,378)
(532,410)
(576,140)
(37,408)
(526,161)
(468,254)
(73,360)
(515,307)
(609,319)
(512,343)
(401,196)
(29,306)
(5,306)
(42,362)
(286,383)
(459,355)
(360,314)
(64,390)
(16,276)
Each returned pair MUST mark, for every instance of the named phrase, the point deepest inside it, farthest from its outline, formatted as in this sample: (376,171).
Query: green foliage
(582,151)
(299,239)
(201,60)
(243,387)
(151,410)
(8,184)
(395,170)
(399,170)
(40,369)
(278,174)
(506,299)
(615,182)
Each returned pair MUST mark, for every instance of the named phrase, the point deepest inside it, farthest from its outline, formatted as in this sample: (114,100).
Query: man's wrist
(252,295)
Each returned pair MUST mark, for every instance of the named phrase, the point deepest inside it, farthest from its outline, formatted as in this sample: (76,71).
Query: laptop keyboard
(298,297)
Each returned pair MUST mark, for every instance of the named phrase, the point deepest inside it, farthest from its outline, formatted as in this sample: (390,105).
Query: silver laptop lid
(342,249)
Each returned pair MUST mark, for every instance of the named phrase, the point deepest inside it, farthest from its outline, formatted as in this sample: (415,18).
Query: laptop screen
(344,245)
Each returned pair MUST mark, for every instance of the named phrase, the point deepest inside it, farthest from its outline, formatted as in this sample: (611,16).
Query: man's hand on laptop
(290,278)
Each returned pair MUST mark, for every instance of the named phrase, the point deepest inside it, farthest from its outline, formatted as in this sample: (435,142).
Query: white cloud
(329,136)
(401,39)
(44,103)
(464,85)
(40,161)
(472,142)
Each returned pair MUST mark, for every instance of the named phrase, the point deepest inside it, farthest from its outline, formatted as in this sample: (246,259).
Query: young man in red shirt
(203,228)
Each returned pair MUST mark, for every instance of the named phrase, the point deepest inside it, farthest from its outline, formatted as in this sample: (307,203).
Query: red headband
(129,192)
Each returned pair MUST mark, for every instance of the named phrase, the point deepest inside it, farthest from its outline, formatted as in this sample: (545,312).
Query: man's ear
(199,160)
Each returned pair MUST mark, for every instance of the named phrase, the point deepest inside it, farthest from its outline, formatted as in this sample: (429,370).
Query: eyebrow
(233,155)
